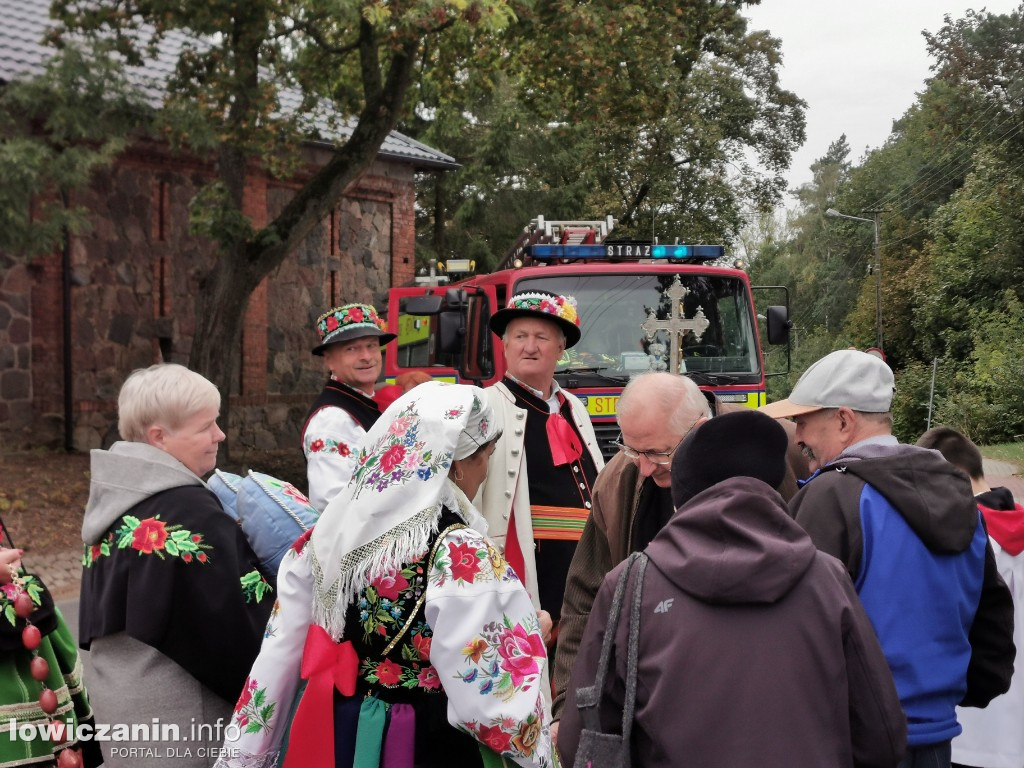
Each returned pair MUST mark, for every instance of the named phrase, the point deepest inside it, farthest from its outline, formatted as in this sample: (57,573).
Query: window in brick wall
(332,237)
(161,211)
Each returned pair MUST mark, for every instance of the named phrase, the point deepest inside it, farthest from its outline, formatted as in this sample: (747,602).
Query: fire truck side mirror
(423,305)
(777,318)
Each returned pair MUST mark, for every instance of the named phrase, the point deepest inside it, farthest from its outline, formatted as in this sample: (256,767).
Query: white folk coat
(507,485)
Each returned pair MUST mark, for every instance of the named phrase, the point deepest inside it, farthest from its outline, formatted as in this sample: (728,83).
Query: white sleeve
(487,648)
(330,444)
(261,716)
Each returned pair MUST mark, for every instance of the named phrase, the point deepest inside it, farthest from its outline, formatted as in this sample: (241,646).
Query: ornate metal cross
(676,324)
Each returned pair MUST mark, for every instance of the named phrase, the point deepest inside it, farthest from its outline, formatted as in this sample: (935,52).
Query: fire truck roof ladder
(565,232)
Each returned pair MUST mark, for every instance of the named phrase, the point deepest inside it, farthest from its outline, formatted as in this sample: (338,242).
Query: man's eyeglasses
(661,458)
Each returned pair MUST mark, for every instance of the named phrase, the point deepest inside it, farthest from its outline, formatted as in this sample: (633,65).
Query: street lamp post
(877,221)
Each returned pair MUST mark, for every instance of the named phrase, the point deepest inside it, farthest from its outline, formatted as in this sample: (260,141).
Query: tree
(949,185)
(350,64)
(56,130)
(650,112)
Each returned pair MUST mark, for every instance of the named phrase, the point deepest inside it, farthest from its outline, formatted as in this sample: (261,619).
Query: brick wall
(253,367)
(135,278)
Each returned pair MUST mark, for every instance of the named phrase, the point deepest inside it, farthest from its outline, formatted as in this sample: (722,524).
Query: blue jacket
(905,523)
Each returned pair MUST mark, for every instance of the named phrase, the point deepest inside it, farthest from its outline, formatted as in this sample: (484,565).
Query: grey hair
(166,394)
(675,396)
(880,419)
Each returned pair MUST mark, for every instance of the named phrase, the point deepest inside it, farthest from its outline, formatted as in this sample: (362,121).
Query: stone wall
(15,346)
(351,256)
(135,277)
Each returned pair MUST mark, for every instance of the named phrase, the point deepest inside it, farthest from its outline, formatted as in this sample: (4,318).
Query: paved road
(69,608)
(1002,473)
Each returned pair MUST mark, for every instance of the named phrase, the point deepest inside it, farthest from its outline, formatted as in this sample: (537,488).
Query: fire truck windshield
(708,318)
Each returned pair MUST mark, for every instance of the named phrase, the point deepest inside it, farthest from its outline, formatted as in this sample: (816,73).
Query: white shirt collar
(553,402)
(354,389)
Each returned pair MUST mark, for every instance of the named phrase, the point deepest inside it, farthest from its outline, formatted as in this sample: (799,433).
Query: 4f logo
(664,605)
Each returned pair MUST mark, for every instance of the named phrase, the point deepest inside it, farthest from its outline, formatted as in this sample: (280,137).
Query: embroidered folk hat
(847,378)
(348,322)
(561,310)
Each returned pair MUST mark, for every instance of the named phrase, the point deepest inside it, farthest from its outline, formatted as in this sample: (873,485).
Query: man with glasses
(632,498)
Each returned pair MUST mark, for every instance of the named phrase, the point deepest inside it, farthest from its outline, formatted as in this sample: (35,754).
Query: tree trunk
(220,311)
(240,267)
(439,215)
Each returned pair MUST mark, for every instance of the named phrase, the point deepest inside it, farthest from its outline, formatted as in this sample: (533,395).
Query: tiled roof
(23,23)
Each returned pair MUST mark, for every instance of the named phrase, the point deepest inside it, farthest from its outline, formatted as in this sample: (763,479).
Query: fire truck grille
(606,435)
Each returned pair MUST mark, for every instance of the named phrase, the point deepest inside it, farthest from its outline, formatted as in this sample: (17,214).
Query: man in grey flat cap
(906,525)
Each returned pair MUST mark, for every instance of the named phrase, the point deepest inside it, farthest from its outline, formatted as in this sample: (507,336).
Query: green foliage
(806,348)
(913,391)
(55,132)
(251,83)
(212,215)
(589,112)
(950,188)
(987,398)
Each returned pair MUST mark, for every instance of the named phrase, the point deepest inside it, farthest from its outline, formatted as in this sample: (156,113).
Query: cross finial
(676,324)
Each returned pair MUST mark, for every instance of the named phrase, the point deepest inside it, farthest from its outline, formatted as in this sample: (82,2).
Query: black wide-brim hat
(540,305)
(348,323)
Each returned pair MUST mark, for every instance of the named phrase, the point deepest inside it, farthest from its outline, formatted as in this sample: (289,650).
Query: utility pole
(877,268)
(878,279)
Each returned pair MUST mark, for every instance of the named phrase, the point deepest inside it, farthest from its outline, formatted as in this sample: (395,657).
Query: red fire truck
(643,306)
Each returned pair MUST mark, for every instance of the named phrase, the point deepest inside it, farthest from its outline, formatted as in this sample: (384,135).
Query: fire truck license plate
(602,405)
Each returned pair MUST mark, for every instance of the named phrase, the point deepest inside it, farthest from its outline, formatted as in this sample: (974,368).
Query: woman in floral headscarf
(407,626)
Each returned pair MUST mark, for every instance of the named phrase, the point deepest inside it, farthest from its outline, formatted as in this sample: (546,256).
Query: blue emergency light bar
(626,252)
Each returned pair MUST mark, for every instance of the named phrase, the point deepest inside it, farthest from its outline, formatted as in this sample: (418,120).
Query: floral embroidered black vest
(336,395)
(387,626)
(568,485)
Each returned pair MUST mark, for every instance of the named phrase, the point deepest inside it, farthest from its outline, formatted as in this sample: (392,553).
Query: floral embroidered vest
(387,625)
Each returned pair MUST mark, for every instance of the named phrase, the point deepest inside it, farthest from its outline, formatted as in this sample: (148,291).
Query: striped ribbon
(558,523)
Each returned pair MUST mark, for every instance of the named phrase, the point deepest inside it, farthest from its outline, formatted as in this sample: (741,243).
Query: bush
(910,404)
(986,401)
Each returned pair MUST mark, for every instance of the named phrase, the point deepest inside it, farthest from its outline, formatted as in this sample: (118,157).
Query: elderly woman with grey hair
(173,607)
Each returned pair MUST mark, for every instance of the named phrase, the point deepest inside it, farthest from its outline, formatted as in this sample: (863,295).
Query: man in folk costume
(350,340)
(538,493)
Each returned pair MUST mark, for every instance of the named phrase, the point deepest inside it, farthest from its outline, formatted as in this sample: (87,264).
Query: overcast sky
(858,65)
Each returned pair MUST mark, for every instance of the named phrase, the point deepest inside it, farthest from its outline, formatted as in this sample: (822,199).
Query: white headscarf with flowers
(386,515)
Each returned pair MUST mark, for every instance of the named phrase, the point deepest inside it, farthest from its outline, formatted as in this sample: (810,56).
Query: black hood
(733,543)
(934,497)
